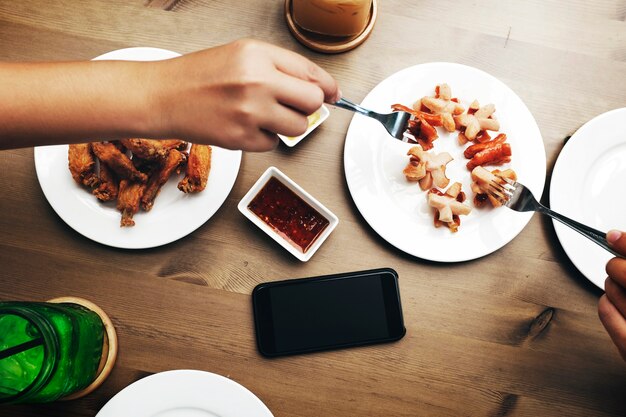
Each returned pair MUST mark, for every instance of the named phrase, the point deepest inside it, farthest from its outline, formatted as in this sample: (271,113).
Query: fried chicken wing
(198,168)
(173,161)
(128,199)
(119,145)
(151,149)
(82,164)
(119,163)
(108,188)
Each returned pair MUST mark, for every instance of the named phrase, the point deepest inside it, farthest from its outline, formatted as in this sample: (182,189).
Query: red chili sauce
(288,214)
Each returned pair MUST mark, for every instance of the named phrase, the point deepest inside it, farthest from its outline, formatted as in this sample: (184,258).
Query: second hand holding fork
(517,197)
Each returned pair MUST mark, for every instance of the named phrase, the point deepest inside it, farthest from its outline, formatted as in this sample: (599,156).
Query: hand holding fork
(519,198)
(395,123)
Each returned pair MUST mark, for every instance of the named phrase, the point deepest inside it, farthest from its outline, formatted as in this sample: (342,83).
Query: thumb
(617,240)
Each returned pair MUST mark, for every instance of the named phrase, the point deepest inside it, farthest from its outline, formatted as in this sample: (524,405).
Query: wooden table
(486,337)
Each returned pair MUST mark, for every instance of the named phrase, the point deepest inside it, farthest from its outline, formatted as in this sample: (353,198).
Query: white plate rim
(589,258)
(536,183)
(123,238)
(172,386)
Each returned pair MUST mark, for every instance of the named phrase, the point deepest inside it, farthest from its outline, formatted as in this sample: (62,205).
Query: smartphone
(327,312)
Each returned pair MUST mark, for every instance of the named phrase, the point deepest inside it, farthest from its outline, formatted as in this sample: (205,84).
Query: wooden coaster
(109,346)
(329,44)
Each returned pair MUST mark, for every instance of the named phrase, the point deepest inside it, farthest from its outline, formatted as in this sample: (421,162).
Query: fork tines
(507,180)
(408,137)
(501,192)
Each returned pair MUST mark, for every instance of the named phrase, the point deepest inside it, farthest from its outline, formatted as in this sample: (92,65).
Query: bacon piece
(479,147)
(432,119)
(423,132)
(495,155)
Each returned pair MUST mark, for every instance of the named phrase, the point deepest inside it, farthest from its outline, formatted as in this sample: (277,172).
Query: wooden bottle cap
(109,346)
(329,44)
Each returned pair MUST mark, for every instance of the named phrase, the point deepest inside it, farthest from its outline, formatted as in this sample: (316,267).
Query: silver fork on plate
(396,123)
(519,198)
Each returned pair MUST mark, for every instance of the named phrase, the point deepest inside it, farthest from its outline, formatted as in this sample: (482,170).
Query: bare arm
(237,96)
(48,103)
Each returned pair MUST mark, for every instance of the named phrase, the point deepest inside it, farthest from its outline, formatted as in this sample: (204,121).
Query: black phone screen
(327,312)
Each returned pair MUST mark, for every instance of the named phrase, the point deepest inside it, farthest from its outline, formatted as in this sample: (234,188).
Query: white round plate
(397,209)
(174,215)
(588,186)
(184,393)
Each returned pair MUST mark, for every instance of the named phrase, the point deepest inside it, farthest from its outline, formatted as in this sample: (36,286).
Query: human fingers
(617,240)
(300,67)
(616,267)
(301,95)
(614,323)
(284,120)
(616,294)
(261,142)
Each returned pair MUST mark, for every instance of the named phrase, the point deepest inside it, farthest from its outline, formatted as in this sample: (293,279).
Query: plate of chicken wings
(136,193)
(156,202)
(425,195)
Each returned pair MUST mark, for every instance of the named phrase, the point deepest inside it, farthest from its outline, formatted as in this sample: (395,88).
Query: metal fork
(517,197)
(396,123)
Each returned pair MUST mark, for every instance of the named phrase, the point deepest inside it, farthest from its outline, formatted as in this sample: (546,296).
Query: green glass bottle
(47,351)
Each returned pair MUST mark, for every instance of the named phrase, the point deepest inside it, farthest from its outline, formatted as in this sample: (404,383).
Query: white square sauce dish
(315,120)
(288,214)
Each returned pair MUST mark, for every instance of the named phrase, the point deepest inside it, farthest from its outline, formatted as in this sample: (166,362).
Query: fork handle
(589,232)
(348,105)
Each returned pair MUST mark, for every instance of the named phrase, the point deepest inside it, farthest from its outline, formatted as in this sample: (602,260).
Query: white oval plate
(185,393)
(396,209)
(588,186)
(174,215)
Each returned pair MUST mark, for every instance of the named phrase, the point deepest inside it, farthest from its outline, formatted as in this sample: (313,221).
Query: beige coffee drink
(332,17)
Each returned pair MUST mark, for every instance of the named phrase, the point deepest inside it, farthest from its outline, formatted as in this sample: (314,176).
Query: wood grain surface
(490,337)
